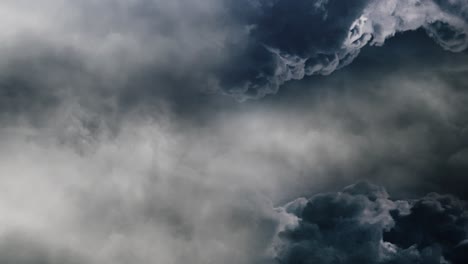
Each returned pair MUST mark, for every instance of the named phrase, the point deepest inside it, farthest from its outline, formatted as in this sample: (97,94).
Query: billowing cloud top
(291,39)
(362,225)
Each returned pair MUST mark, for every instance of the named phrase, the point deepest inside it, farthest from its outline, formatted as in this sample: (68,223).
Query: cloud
(146,195)
(362,224)
(109,149)
(289,40)
(107,55)
(141,50)
(161,187)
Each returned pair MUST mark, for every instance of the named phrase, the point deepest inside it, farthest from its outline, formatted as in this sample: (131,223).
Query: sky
(224,131)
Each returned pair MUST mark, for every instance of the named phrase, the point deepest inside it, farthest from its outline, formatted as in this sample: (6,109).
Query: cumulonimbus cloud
(361,224)
(288,40)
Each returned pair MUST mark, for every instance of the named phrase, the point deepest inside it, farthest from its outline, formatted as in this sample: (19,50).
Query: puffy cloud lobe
(362,224)
(292,39)
(435,221)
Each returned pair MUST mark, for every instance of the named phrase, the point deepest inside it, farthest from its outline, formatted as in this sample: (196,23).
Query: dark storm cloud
(169,190)
(288,40)
(361,224)
(403,111)
(133,156)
